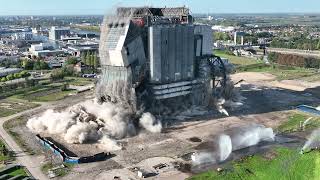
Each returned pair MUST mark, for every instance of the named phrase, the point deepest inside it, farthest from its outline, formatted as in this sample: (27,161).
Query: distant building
(78,49)
(27,36)
(223,28)
(56,62)
(56,33)
(43,50)
(40,47)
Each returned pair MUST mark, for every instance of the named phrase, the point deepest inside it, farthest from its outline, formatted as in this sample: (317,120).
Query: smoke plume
(313,141)
(150,123)
(93,122)
(243,138)
(225,147)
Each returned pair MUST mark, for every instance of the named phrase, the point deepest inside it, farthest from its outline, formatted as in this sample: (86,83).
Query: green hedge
(295,60)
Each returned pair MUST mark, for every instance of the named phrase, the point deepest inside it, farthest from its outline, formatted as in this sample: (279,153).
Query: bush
(24,74)
(294,60)
(57,74)
(4,79)
(72,61)
(10,77)
(17,75)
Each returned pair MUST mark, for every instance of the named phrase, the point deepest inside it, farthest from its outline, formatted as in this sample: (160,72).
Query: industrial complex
(153,56)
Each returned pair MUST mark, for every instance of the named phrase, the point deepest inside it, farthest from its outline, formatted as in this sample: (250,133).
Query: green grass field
(10,106)
(286,164)
(78,81)
(5,154)
(238,61)
(55,96)
(294,121)
(279,163)
(42,93)
(45,91)
(18,172)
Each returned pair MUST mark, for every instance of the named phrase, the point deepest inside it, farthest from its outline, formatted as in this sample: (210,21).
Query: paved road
(24,159)
(31,162)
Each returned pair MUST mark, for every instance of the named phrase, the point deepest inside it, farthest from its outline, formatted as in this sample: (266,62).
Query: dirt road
(266,79)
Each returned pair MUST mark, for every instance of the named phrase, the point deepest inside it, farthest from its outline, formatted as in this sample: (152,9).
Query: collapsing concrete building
(156,56)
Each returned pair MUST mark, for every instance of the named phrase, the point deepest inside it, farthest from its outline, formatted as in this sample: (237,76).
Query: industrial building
(56,33)
(22,36)
(80,48)
(151,56)
(44,49)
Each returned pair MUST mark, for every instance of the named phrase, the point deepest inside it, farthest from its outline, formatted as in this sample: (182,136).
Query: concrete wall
(207,34)
(69,159)
(171,53)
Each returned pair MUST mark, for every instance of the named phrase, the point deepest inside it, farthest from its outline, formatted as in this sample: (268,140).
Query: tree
(10,77)
(24,74)
(44,65)
(72,61)
(27,64)
(68,70)
(17,75)
(318,45)
(221,36)
(57,74)
(4,79)
(92,60)
(273,57)
(83,57)
(95,61)
(88,56)
(36,65)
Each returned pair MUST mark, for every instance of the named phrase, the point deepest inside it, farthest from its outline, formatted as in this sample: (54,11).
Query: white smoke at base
(108,144)
(246,137)
(150,123)
(93,122)
(313,141)
(225,147)
(251,135)
(203,158)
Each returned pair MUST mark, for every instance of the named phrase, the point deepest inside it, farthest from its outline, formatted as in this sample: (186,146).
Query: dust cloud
(313,142)
(93,122)
(244,137)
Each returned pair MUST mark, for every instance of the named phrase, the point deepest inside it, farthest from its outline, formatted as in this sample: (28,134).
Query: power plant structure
(157,57)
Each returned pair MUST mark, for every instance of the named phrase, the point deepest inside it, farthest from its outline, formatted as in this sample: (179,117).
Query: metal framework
(218,71)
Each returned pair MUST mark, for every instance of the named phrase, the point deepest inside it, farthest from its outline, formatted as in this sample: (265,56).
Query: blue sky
(67,7)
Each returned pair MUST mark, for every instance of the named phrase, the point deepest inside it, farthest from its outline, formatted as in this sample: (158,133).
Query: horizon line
(202,13)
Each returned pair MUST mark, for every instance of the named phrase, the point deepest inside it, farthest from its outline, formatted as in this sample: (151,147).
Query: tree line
(296,43)
(90,59)
(22,74)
